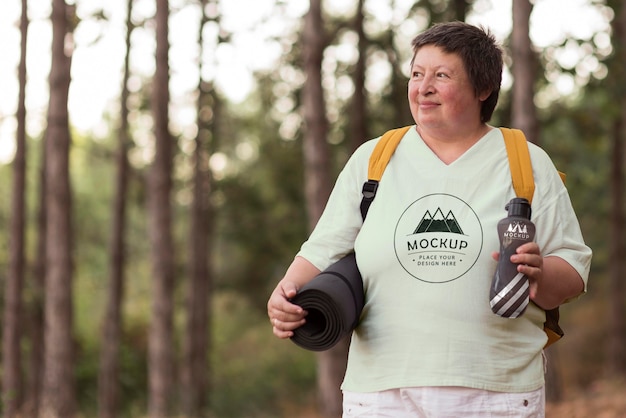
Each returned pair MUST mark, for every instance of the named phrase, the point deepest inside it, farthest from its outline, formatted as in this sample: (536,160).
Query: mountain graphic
(438,223)
(517,227)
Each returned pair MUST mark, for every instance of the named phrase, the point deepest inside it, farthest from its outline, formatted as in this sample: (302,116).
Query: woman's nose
(426,86)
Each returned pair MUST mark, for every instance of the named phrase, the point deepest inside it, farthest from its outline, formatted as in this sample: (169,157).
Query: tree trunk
(108,377)
(36,306)
(316,149)
(616,349)
(195,375)
(11,335)
(331,364)
(616,346)
(195,368)
(358,122)
(460,9)
(523,112)
(452,10)
(331,368)
(58,395)
(161,335)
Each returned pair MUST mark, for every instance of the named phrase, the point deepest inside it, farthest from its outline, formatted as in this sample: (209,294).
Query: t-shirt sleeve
(336,230)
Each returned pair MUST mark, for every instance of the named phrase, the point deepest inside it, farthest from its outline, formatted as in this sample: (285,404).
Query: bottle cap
(519,207)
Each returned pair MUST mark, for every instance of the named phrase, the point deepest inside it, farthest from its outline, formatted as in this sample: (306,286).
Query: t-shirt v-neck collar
(426,151)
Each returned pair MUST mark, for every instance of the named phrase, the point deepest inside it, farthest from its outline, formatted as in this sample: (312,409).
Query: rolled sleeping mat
(334,300)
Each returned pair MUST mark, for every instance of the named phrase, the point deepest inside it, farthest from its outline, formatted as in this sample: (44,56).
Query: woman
(428,343)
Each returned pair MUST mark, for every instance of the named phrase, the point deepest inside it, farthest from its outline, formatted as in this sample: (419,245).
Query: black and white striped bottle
(509,294)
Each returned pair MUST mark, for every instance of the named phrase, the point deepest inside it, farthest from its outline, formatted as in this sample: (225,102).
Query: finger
(528,248)
(287,325)
(289,309)
(530,259)
(289,289)
(282,334)
(532,291)
(532,272)
(281,297)
(284,329)
(287,313)
(279,332)
(288,320)
(279,305)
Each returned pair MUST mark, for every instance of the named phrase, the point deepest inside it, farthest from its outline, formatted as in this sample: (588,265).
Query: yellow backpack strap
(383,151)
(519,163)
(379,158)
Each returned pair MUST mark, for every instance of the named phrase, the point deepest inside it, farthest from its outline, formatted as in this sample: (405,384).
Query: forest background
(152,206)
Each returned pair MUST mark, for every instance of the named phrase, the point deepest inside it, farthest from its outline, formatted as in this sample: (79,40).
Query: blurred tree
(317,171)
(358,116)
(108,376)
(393,107)
(444,10)
(12,395)
(195,368)
(161,333)
(616,350)
(58,393)
(36,303)
(318,184)
(461,7)
(524,71)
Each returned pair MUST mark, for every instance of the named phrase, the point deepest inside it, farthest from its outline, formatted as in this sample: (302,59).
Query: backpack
(521,177)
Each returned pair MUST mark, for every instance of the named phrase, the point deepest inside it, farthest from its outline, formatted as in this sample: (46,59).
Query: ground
(601,400)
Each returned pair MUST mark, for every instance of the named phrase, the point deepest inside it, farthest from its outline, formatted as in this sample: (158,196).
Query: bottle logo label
(517,230)
(438,238)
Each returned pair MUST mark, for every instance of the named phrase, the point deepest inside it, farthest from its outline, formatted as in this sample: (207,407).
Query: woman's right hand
(284,315)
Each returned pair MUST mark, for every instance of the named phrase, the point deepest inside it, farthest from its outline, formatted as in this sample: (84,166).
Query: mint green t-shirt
(424,252)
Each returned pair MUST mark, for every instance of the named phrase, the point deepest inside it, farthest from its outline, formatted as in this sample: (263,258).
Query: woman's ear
(484,95)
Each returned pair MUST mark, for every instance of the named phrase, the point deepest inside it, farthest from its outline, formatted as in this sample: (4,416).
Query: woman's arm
(552,279)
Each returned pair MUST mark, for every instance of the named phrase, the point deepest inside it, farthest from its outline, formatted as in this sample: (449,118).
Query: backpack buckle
(369,189)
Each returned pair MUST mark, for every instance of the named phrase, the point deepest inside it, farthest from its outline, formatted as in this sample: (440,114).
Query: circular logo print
(438,238)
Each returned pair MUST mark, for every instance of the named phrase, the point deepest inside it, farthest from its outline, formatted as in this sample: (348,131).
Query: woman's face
(440,94)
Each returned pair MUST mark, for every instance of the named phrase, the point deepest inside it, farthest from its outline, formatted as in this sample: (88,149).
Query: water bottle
(509,295)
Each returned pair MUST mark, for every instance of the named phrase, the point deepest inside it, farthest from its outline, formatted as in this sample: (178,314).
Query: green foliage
(86,374)
(261,218)
(134,367)
(254,372)
(133,370)
(577,138)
